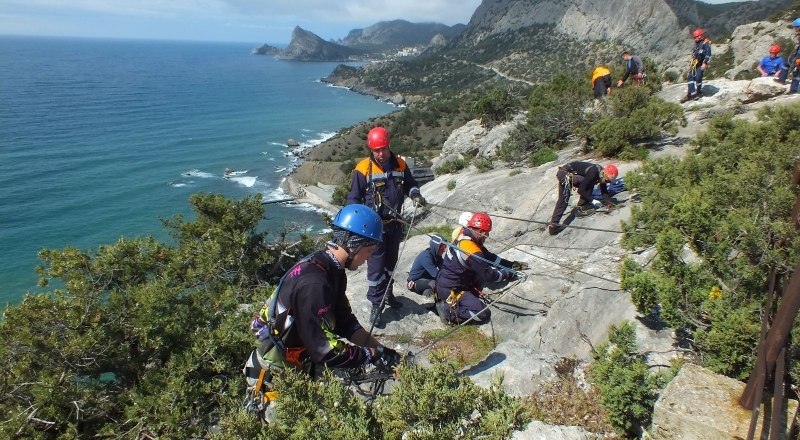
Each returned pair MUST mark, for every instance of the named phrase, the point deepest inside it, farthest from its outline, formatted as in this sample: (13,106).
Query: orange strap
(293,355)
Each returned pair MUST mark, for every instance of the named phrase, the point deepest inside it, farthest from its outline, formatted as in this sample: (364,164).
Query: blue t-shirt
(772,65)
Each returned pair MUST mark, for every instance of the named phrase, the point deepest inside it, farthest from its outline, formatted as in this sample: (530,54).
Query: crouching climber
(467,267)
(425,268)
(581,176)
(306,320)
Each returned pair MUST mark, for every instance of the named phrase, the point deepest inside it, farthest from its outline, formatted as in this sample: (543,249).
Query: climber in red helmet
(772,64)
(467,267)
(382,181)
(698,63)
(581,176)
(794,62)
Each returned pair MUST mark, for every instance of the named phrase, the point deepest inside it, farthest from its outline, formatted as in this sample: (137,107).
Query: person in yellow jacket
(601,82)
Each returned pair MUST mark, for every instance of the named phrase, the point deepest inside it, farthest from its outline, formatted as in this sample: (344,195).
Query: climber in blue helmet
(307,323)
(794,62)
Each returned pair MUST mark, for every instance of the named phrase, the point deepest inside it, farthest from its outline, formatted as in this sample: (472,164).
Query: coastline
(318,195)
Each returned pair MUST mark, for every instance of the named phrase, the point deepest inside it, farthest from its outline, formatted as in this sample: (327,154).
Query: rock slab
(700,404)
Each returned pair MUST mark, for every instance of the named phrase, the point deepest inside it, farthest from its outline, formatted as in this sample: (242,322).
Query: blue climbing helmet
(796,23)
(357,226)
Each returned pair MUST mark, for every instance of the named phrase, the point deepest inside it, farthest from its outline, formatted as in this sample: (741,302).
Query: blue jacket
(701,54)
(380,189)
(427,263)
(772,65)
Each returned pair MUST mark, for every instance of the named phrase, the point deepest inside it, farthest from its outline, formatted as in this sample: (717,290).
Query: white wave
(280,170)
(279,144)
(197,173)
(177,184)
(247,181)
(305,130)
(236,173)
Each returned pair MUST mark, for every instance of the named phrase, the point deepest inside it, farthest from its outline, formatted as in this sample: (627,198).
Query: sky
(252,21)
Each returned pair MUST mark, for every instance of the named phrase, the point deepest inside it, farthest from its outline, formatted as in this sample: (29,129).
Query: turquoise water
(101,139)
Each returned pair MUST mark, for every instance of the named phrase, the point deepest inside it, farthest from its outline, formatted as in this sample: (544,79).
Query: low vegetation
(719,221)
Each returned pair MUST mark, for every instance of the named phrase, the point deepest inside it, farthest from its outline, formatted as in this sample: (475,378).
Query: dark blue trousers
(468,305)
(382,262)
(795,84)
(695,78)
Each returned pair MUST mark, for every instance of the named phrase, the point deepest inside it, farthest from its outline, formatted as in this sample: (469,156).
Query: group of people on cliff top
(308,323)
(770,65)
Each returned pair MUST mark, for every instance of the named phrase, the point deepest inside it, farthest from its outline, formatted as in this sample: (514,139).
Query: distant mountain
(534,40)
(307,46)
(266,49)
(395,34)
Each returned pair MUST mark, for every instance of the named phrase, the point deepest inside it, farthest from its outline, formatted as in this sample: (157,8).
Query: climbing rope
(399,219)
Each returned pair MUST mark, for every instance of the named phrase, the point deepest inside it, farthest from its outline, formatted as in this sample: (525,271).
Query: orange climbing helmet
(611,171)
(480,221)
(378,138)
(698,33)
(774,49)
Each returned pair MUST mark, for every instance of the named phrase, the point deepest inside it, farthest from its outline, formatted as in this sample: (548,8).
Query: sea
(101,139)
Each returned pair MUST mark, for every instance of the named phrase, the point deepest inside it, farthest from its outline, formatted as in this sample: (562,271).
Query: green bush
(494,107)
(339,196)
(141,336)
(542,156)
(451,166)
(555,118)
(627,388)
(636,117)
(713,218)
(451,185)
(483,164)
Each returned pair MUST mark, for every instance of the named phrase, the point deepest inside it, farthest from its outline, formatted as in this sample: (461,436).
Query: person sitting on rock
(794,62)
(772,64)
(582,176)
(466,268)
(422,276)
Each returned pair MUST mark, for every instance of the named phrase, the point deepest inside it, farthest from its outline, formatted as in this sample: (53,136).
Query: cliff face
(659,28)
(306,46)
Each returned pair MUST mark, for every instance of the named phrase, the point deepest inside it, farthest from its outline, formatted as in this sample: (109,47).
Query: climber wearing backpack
(306,320)
(581,176)
(467,267)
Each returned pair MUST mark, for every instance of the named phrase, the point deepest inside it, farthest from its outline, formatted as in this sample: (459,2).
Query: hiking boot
(555,228)
(441,310)
(427,293)
(686,98)
(393,302)
(375,317)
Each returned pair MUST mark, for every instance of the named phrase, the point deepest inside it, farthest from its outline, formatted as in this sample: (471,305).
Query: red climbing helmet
(774,49)
(698,33)
(480,221)
(378,138)
(611,171)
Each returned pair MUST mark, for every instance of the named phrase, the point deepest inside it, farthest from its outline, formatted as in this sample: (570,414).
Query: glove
(509,276)
(420,201)
(596,203)
(386,359)
(410,284)
(519,265)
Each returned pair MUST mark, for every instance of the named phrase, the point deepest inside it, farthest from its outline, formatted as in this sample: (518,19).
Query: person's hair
(350,240)
(625,53)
